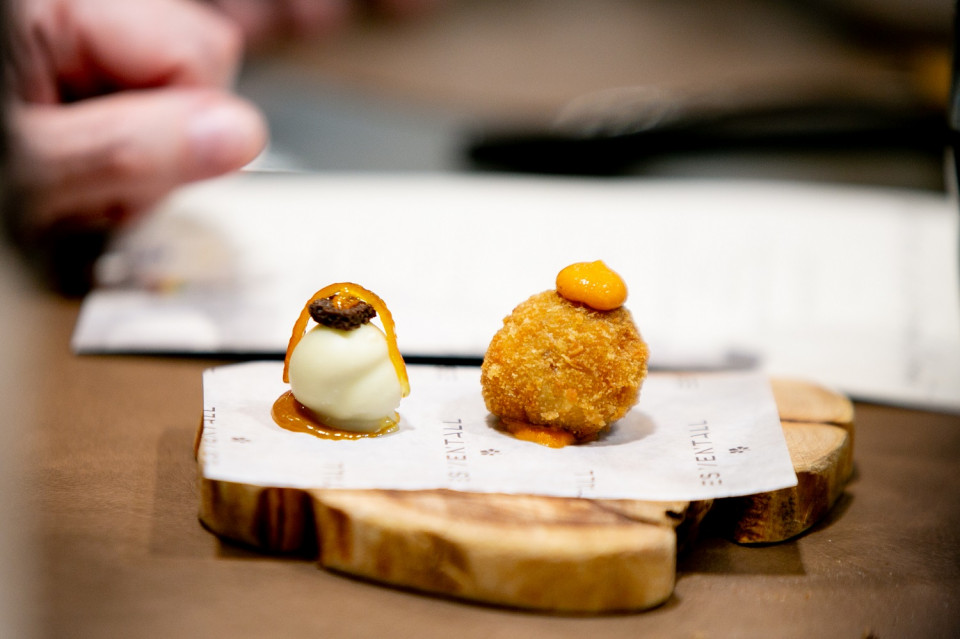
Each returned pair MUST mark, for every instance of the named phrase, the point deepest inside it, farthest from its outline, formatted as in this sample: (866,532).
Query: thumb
(105,158)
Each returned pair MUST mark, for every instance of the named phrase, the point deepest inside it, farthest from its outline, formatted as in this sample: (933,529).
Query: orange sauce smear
(543,435)
(290,414)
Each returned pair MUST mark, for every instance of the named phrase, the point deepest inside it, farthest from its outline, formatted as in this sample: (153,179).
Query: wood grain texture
(822,456)
(818,425)
(567,555)
(803,401)
(556,554)
(551,554)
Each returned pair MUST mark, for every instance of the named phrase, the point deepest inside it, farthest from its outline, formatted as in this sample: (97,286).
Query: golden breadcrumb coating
(561,364)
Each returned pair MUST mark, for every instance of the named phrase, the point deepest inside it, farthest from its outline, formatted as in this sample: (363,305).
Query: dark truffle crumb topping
(343,312)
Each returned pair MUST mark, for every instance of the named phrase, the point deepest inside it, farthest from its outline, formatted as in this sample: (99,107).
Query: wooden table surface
(99,534)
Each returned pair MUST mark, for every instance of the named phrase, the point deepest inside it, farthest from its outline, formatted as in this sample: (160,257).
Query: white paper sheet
(855,288)
(690,437)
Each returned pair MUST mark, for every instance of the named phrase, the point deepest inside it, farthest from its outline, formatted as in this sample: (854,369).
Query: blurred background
(837,90)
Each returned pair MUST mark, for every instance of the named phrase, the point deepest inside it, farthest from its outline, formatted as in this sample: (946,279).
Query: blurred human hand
(116,103)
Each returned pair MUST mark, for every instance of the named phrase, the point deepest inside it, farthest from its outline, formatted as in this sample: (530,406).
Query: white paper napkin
(690,437)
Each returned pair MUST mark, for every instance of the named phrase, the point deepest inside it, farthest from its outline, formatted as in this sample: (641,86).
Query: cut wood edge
(567,555)
(804,401)
(685,516)
(547,554)
(823,460)
(268,519)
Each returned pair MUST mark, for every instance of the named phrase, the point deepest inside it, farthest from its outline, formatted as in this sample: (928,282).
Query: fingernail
(223,137)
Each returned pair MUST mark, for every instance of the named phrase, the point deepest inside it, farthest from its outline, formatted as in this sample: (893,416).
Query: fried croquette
(564,365)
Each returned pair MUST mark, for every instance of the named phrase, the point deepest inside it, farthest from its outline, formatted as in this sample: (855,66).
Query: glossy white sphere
(346,377)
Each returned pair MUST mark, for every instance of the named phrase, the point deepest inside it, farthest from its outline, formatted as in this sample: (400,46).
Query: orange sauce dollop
(288,413)
(593,284)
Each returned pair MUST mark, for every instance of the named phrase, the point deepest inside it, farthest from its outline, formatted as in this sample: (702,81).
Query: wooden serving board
(545,553)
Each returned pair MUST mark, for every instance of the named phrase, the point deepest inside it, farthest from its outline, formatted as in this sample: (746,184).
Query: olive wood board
(556,554)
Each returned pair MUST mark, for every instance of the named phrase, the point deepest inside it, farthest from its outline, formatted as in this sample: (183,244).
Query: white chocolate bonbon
(346,377)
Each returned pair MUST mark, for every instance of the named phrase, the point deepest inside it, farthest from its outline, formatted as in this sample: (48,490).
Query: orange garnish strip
(371,298)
